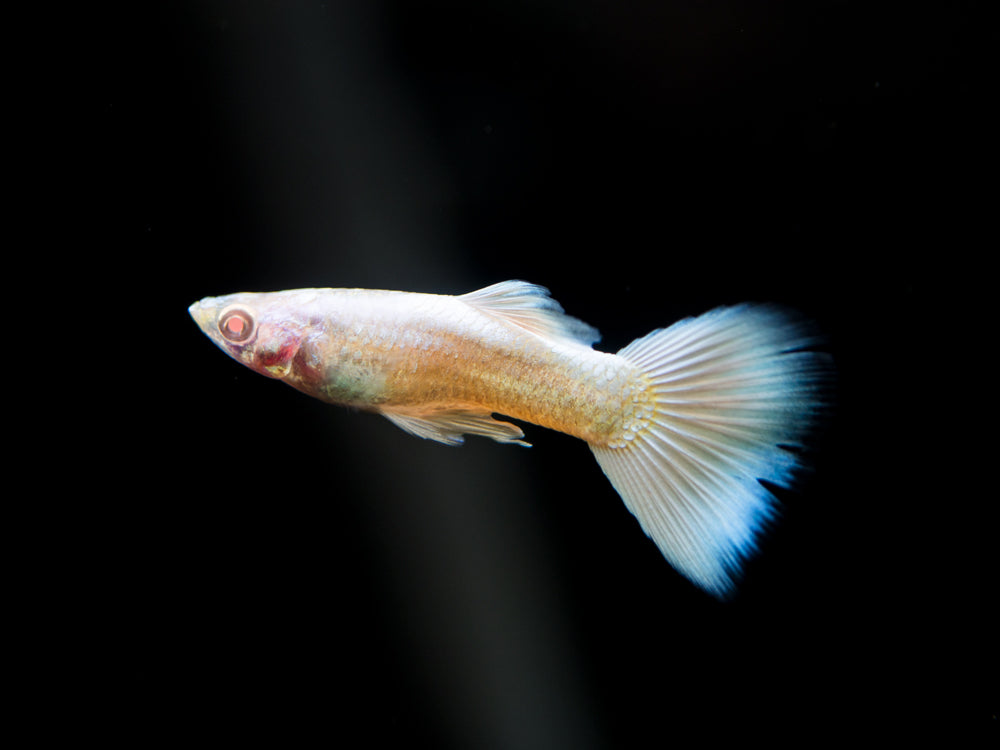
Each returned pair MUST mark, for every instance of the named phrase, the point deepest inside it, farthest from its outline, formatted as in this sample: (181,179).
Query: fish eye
(236,324)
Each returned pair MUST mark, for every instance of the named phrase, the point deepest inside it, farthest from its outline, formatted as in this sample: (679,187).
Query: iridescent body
(682,421)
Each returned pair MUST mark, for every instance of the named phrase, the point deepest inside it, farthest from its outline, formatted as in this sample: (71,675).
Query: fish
(688,422)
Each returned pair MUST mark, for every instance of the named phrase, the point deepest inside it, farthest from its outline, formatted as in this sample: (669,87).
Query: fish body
(683,422)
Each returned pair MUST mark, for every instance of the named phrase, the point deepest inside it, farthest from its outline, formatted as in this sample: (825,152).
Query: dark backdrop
(272,568)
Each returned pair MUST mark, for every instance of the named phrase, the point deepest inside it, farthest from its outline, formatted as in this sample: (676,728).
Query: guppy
(683,422)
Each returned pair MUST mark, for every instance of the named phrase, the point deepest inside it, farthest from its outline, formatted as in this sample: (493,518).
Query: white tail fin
(732,390)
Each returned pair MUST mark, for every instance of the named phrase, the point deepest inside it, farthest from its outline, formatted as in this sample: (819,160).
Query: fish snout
(203,313)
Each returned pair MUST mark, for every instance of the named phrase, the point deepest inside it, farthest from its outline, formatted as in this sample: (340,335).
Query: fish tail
(728,399)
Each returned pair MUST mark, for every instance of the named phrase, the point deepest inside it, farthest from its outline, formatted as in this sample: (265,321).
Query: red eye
(236,324)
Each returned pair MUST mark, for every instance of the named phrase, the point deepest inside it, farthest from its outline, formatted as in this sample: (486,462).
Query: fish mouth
(202,313)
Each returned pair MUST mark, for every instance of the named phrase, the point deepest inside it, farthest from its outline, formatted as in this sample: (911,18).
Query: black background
(272,568)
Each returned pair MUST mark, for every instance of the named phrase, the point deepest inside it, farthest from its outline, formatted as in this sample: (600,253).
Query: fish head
(256,329)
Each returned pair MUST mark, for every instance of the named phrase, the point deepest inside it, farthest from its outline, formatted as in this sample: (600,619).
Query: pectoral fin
(449,425)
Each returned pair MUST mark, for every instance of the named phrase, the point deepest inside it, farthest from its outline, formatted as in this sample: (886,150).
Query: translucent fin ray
(530,307)
(449,426)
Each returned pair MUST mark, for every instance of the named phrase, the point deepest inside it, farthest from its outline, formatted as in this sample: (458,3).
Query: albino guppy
(683,421)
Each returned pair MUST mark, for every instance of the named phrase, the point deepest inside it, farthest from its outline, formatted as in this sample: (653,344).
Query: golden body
(421,355)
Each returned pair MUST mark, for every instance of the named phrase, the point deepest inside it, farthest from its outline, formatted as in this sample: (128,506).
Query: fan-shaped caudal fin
(731,391)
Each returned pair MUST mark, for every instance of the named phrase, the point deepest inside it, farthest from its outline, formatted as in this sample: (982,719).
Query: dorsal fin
(530,307)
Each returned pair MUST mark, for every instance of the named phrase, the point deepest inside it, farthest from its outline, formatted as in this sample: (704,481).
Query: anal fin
(448,426)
